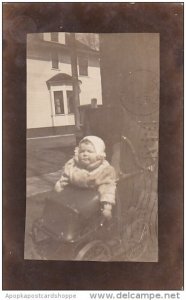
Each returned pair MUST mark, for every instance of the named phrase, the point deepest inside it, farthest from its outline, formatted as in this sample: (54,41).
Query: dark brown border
(22,18)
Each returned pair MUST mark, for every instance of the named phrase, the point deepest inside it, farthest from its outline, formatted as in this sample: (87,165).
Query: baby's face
(87,154)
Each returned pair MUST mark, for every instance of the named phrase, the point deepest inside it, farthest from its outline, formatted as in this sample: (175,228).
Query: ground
(45,158)
(48,155)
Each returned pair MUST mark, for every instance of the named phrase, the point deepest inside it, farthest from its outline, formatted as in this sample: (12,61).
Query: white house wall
(38,95)
(61,37)
(91,84)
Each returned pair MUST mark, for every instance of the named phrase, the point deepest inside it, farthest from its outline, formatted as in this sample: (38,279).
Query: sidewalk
(41,184)
(45,159)
(48,155)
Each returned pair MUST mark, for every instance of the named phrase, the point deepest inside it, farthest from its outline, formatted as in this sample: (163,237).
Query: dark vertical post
(75,79)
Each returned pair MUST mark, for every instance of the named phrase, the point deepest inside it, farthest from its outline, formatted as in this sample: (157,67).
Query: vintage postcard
(92,146)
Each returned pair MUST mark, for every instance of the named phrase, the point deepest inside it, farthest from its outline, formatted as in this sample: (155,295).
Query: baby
(89,169)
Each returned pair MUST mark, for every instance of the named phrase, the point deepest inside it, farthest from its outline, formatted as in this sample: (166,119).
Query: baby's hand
(58,188)
(107,211)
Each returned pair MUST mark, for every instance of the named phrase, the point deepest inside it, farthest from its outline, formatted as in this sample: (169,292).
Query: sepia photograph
(92,146)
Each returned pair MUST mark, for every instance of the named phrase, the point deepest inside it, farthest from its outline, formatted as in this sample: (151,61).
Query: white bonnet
(98,144)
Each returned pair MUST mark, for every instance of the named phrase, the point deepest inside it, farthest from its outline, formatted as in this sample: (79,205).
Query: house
(50,101)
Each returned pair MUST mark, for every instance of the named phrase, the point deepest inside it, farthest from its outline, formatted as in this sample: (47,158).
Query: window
(70,102)
(54,36)
(55,60)
(83,66)
(67,38)
(58,101)
(39,36)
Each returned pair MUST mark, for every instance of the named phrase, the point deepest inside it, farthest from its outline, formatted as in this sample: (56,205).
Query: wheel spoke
(94,251)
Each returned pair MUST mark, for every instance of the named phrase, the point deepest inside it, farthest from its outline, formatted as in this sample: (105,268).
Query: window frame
(55,60)
(62,104)
(54,36)
(81,64)
(68,106)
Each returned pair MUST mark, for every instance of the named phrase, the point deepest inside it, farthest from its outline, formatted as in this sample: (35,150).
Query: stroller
(74,229)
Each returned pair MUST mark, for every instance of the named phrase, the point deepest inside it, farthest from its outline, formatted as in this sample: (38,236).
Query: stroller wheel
(154,226)
(94,251)
(40,240)
(37,233)
(137,240)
